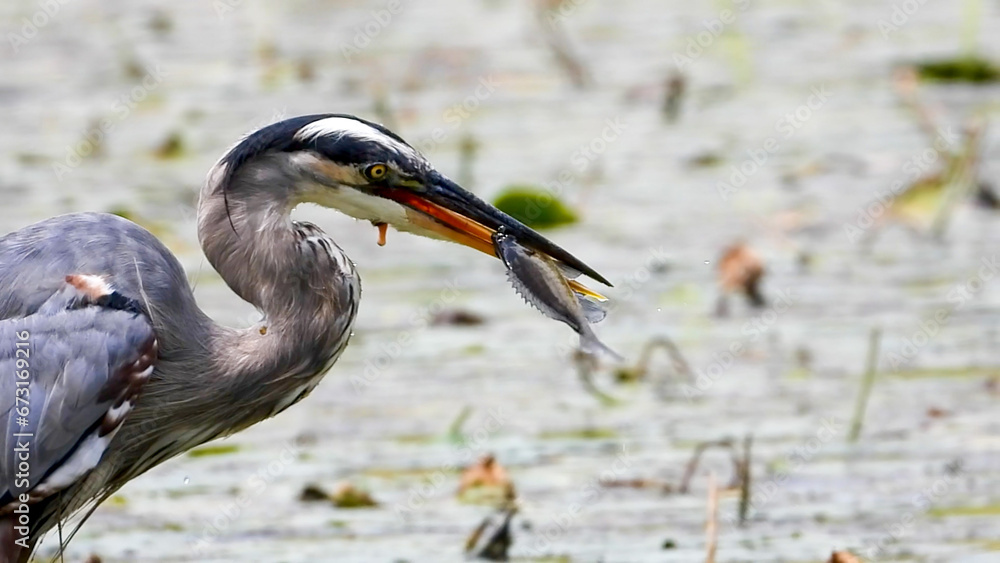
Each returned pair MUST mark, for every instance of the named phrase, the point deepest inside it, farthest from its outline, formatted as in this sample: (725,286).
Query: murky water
(922,480)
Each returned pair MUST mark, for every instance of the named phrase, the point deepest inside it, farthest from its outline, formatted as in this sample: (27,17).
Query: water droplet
(707,262)
(658,309)
(187,479)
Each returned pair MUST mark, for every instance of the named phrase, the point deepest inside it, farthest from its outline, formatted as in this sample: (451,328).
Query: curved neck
(248,237)
(292,272)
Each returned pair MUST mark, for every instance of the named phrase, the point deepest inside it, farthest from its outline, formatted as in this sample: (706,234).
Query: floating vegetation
(171,147)
(966,68)
(457,317)
(706,159)
(588,433)
(923,373)
(161,23)
(492,538)
(535,207)
(221,449)
(980,510)
(843,557)
(313,493)
(485,482)
(948,175)
(345,495)
(740,271)
(125,213)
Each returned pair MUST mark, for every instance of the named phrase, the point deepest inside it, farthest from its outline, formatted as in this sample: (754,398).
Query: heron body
(125,371)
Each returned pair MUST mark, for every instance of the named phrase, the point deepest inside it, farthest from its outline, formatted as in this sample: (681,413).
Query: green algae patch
(957,372)
(221,449)
(535,207)
(981,510)
(970,69)
(581,434)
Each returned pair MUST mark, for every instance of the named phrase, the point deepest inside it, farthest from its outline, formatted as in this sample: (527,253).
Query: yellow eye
(376,171)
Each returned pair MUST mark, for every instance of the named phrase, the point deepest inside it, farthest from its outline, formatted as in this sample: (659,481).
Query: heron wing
(69,374)
(35,260)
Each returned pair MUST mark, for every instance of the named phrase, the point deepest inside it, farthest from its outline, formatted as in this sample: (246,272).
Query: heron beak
(450,211)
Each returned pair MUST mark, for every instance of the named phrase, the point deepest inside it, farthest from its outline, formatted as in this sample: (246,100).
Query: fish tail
(592,345)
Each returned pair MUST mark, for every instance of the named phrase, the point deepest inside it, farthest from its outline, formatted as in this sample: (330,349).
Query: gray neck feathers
(296,275)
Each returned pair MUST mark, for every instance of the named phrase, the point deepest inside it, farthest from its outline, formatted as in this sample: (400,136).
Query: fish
(543,284)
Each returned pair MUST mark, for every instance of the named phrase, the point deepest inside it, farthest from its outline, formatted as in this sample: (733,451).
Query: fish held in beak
(540,281)
(443,209)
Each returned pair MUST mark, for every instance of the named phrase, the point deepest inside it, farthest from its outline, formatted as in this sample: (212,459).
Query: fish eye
(376,171)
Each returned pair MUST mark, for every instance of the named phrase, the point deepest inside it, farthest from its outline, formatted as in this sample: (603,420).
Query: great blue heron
(107,365)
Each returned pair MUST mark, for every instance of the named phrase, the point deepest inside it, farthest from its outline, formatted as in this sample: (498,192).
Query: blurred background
(795,200)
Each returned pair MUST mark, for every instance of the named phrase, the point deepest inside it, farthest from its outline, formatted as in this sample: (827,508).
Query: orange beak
(454,214)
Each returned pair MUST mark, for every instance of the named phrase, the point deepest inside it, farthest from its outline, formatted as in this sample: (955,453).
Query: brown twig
(639,483)
(585,366)
(676,358)
(692,465)
(712,523)
(905,82)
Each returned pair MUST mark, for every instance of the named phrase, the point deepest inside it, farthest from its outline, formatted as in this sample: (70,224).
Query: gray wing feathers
(35,260)
(76,361)
(77,352)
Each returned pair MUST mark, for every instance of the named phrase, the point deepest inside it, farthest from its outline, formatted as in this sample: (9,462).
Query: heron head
(368,172)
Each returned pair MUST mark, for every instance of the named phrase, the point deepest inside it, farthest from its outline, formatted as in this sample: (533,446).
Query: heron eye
(376,171)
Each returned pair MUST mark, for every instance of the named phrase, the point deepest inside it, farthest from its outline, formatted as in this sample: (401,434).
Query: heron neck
(308,296)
